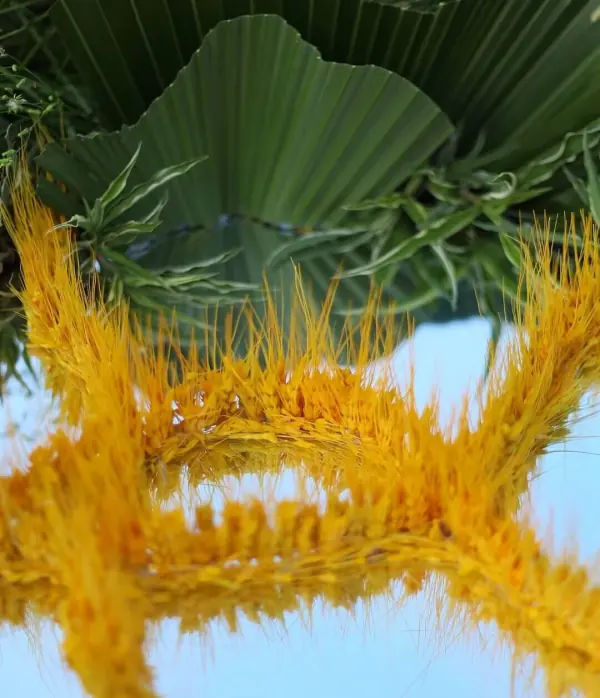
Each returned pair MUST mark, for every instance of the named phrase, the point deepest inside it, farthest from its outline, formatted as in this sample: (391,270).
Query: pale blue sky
(390,653)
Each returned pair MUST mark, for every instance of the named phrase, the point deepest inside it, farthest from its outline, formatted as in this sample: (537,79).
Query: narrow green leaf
(222,258)
(115,294)
(417,211)
(512,249)
(435,233)
(130,229)
(392,201)
(154,213)
(521,196)
(506,282)
(593,183)
(147,224)
(444,191)
(96,217)
(289,250)
(334,249)
(385,275)
(579,187)
(567,151)
(502,187)
(439,251)
(141,191)
(117,186)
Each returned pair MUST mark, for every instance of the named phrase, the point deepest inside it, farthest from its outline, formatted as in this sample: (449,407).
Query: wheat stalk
(84,539)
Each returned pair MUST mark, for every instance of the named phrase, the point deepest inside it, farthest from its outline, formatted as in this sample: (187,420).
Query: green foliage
(106,226)
(335,134)
(38,100)
(588,188)
(521,73)
(396,195)
(104,221)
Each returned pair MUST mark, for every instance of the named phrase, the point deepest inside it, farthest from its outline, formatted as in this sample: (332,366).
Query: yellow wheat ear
(86,539)
(552,364)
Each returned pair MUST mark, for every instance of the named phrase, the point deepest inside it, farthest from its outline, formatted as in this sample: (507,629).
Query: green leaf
(384,275)
(436,232)
(335,247)
(416,211)
(567,151)
(391,201)
(512,249)
(129,230)
(290,250)
(497,273)
(446,192)
(502,187)
(450,272)
(579,187)
(153,215)
(593,181)
(117,186)
(201,264)
(522,72)
(293,148)
(141,191)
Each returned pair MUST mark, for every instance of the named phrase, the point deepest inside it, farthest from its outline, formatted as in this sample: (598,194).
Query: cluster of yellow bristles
(85,538)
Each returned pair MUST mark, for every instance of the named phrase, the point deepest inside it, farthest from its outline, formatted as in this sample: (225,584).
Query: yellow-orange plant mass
(86,541)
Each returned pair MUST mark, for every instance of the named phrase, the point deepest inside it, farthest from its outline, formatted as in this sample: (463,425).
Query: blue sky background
(388,651)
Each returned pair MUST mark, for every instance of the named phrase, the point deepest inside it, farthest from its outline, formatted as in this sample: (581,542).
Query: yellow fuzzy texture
(85,540)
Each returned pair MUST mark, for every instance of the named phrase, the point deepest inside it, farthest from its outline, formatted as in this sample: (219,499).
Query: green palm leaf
(516,75)
(289,138)
(523,72)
